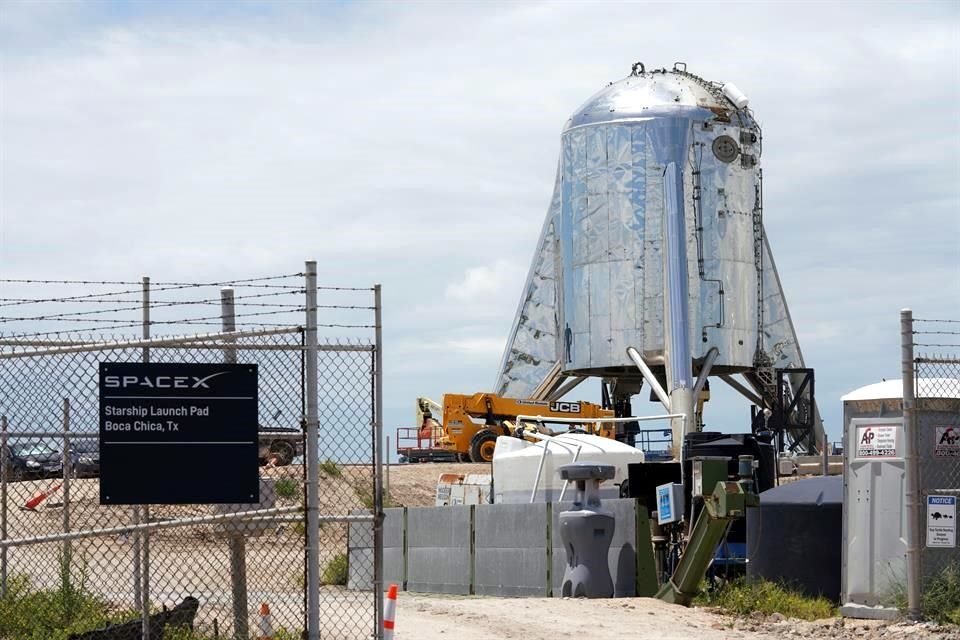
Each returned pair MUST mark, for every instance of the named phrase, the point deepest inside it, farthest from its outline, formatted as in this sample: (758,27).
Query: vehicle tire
(625,489)
(283,451)
(482,445)
(463,457)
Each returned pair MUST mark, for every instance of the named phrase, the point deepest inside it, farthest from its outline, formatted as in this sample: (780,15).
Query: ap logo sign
(877,441)
(946,442)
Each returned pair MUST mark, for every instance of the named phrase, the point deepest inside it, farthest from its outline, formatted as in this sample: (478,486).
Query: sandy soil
(433,617)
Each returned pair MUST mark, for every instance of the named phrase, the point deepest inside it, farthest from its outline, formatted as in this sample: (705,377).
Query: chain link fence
(937,384)
(71,567)
(932,421)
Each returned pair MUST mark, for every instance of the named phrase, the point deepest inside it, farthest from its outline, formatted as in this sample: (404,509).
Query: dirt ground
(433,617)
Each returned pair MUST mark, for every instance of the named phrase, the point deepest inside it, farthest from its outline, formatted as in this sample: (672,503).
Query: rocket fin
(779,336)
(531,350)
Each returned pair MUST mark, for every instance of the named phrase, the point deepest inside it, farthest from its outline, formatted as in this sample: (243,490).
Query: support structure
(911,471)
(3,504)
(676,294)
(378,453)
(143,546)
(237,541)
(312,422)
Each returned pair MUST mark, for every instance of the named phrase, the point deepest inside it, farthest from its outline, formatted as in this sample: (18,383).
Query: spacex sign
(178,433)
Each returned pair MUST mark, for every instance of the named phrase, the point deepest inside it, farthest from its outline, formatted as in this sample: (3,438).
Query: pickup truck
(281,444)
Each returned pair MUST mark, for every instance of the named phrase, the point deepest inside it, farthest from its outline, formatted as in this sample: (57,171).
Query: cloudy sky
(415,145)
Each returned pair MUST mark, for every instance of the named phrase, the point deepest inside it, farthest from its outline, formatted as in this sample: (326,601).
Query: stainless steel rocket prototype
(654,239)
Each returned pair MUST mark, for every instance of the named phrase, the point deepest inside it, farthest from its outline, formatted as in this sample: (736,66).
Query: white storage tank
(516,463)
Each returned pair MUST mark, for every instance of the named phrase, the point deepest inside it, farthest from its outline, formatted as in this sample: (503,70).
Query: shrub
(336,571)
(287,488)
(365,494)
(940,599)
(54,614)
(330,469)
(743,597)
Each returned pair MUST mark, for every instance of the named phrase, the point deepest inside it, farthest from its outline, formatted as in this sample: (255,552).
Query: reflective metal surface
(597,282)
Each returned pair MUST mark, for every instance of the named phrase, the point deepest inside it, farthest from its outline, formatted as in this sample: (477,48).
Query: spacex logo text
(159,382)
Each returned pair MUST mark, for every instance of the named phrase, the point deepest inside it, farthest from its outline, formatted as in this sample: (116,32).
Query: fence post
(65,463)
(911,471)
(237,541)
(144,564)
(378,515)
(4,459)
(312,463)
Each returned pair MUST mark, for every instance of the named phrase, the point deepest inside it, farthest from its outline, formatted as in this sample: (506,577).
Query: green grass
(364,493)
(330,469)
(336,571)
(287,488)
(27,613)
(742,598)
(940,597)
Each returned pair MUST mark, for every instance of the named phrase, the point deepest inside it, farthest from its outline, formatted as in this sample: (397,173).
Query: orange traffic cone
(33,502)
(266,623)
(390,613)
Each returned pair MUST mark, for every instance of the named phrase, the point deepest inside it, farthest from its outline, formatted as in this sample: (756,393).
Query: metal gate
(69,565)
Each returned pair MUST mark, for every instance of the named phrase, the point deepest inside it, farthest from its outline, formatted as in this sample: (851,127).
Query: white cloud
(416,145)
(482,285)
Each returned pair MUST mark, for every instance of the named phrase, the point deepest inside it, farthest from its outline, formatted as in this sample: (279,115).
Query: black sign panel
(178,433)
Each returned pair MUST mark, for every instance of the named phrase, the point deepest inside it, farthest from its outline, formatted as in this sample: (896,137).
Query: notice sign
(178,433)
(947,441)
(877,442)
(942,521)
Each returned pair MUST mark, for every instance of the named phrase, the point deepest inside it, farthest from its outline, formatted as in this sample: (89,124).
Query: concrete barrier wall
(393,547)
(510,550)
(500,549)
(439,549)
(360,557)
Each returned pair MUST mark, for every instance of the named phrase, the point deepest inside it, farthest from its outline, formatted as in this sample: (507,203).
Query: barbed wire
(925,344)
(937,333)
(139,301)
(72,315)
(107,311)
(936,320)
(132,282)
(201,320)
(152,291)
(102,297)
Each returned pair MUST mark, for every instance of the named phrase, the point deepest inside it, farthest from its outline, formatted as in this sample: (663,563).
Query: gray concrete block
(510,550)
(438,549)
(360,569)
(359,555)
(393,535)
(360,535)
(622,557)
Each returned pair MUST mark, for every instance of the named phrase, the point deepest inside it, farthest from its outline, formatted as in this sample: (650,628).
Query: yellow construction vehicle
(470,424)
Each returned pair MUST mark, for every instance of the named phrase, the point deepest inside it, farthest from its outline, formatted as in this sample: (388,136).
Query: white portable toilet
(874,495)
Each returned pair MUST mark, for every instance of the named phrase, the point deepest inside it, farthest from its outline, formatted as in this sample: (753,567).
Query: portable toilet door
(874,501)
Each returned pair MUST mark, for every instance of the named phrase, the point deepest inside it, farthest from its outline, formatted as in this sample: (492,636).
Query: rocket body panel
(611,238)
(601,253)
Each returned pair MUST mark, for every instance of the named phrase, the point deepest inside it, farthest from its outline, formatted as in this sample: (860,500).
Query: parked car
(33,460)
(85,457)
(283,449)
